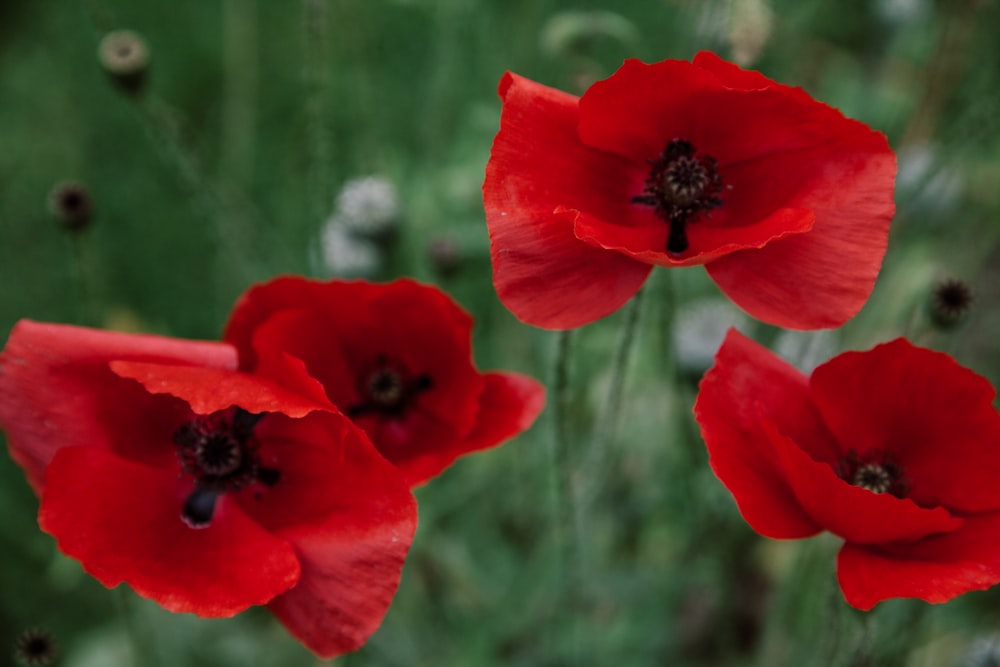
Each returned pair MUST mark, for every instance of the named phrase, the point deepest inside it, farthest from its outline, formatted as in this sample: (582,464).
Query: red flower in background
(785,201)
(395,357)
(896,450)
(205,489)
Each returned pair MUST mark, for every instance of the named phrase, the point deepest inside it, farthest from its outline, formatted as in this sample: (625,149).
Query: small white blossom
(985,652)
(346,255)
(368,205)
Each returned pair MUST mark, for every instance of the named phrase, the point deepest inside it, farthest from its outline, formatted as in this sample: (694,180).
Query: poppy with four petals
(784,200)
(395,357)
(896,450)
(203,488)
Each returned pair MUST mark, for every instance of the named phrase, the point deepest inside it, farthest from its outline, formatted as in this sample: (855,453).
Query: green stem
(607,430)
(316,43)
(600,454)
(564,494)
(88,311)
(240,54)
(236,221)
(560,388)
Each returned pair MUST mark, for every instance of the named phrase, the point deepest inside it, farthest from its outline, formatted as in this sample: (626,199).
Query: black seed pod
(950,302)
(72,206)
(35,648)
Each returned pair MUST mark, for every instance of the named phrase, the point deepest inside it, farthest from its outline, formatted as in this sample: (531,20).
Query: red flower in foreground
(785,201)
(896,450)
(205,489)
(395,357)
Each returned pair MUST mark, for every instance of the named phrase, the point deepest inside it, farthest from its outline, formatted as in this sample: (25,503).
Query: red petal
(708,240)
(508,406)
(770,448)
(122,521)
(747,383)
(261,302)
(933,416)
(350,325)
(288,371)
(935,569)
(858,515)
(777,149)
(636,111)
(56,390)
(209,390)
(356,523)
(426,331)
(310,338)
(538,177)
(339,329)
(734,76)
(823,278)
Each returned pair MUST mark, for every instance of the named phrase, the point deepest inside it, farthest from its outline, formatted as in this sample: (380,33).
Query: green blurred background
(229,167)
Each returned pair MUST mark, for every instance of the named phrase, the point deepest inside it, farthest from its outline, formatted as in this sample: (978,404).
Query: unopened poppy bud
(124,55)
(35,648)
(950,302)
(750,26)
(71,204)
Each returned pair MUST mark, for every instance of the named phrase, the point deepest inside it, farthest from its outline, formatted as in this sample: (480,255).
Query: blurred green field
(224,172)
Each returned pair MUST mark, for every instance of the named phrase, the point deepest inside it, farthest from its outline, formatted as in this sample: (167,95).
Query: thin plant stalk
(607,431)
(316,44)
(83,270)
(231,215)
(564,491)
(240,84)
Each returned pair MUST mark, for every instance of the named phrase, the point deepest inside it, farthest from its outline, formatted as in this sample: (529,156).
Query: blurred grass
(223,172)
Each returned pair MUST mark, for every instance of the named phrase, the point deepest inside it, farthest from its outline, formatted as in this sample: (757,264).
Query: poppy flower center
(873,477)
(387,388)
(876,472)
(220,451)
(682,185)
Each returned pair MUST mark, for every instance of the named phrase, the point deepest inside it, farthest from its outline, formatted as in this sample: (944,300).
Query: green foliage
(222,170)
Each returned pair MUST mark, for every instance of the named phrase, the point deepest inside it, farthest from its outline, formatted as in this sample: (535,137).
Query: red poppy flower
(205,489)
(395,357)
(785,201)
(896,450)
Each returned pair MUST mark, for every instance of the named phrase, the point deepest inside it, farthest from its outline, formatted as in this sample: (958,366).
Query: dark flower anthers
(785,201)
(896,450)
(396,357)
(205,489)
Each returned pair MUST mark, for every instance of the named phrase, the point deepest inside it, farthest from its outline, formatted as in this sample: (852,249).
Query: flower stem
(240,55)
(560,387)
(316,44)
(600,456)
(611,417)
(83,269)
(565,500)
